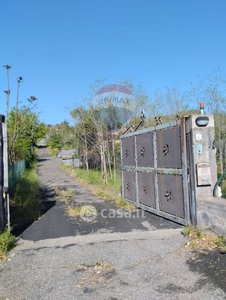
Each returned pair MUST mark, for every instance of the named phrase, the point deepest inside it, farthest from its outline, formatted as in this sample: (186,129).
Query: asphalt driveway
(112,256)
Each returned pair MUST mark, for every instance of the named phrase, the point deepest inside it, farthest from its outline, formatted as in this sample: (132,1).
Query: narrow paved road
(136,257)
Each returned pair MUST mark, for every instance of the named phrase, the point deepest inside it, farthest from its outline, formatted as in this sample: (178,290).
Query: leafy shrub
(6,243)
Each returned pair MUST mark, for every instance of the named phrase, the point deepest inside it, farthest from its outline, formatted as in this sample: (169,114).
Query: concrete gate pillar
(206,211)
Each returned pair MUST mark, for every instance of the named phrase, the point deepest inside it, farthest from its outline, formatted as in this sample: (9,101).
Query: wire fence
(16,171)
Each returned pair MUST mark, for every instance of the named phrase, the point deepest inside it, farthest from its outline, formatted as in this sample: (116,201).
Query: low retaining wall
(211,214)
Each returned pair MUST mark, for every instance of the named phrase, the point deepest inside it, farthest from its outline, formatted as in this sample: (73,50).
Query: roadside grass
(92,180)
(25,204)
(6,243)
(201,241)
(26,198)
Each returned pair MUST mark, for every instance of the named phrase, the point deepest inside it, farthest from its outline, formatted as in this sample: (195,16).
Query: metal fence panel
(146,189)
(145,150)
(169,148)
(16,171)
(129,185)
(128,152)
(171,198)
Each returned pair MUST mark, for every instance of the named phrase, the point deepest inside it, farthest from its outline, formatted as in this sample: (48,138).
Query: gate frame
(155,170)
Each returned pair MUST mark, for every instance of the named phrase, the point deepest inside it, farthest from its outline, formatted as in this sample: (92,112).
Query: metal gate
(154,170)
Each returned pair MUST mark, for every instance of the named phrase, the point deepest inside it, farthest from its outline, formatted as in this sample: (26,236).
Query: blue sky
(60,47)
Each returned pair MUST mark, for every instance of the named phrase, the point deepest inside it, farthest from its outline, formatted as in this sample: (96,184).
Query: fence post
(2,119)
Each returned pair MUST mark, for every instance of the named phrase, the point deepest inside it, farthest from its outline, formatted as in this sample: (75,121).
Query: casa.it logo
(88,213)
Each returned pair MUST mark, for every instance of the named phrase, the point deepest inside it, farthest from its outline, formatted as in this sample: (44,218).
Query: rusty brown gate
(154,170)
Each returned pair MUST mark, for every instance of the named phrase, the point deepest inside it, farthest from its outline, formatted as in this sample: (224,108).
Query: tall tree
(216,104)
(24,131)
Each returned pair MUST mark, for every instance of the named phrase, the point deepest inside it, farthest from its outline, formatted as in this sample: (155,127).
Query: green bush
(6,243)
(55,141)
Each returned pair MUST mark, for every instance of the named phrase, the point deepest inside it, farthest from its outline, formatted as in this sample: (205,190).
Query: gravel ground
(137,258)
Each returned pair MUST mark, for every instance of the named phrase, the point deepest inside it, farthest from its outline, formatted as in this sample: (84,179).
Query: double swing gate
(154,170)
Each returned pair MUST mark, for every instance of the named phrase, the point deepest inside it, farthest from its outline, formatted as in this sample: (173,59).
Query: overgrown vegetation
(74,212)
(201,241)
(23,126)
(25,207)
(24,131)
(6,243)
(25,202)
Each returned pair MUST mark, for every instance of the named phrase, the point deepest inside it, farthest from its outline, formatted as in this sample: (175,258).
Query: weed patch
(65,195)
(6,243)
(74,211)
(25,199)
(200,241)
(91,276)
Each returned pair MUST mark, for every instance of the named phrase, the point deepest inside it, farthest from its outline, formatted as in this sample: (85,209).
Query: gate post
(202,160)
(2,118)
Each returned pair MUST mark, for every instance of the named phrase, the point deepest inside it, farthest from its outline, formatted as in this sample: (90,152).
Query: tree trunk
(103,165)
(113,154)
(86,156)
(220,152)
(109,161)
(105,168)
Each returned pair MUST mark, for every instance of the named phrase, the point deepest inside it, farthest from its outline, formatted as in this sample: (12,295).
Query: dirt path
(136,257)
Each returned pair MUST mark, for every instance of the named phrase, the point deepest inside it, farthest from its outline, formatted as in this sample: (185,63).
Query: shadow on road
(47,202)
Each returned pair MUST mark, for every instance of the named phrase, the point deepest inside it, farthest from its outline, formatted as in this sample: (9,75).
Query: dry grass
(65,195)
(74,212)
(94,275)
(201,241)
